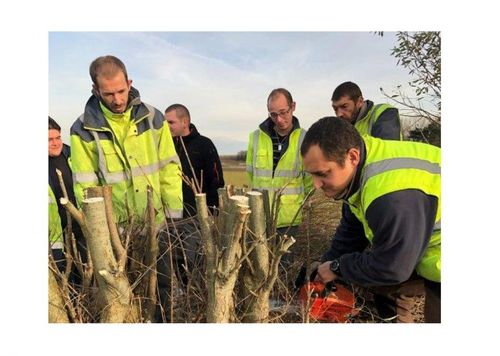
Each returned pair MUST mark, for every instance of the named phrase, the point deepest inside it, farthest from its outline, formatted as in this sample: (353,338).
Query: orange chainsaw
(333,302)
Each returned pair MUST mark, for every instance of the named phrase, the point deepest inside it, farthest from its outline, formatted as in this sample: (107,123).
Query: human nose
(340,113)
(317,183)
(280,119)
(117,99)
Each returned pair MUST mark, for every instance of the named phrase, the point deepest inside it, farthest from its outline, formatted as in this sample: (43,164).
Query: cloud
(224,77)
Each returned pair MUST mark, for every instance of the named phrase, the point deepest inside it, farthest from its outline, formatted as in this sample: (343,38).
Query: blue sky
(224,78)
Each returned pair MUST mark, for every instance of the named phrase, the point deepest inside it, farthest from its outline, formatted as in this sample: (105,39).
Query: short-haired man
(59,154)
(393,190)
(380,120)
(201,164)
(198,152)
(274,163)
(121,141)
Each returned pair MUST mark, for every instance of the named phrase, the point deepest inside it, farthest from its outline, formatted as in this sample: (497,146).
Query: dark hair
(106,66)
(180,111)
(347,88)
(334,136)
(282,91)
(53,125)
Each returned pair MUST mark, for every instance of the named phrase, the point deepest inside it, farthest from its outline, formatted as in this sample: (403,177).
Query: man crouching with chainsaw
(392,195)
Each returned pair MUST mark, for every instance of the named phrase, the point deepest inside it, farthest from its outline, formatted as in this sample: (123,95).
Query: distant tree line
(241,156)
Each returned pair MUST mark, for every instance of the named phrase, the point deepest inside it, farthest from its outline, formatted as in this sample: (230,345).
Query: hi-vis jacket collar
(93,118)
(267,125)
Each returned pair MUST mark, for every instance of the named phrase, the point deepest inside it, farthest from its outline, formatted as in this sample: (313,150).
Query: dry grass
(237,178)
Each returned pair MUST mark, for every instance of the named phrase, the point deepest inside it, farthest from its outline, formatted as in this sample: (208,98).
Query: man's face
(176,124)
(55,143)
(346,108)
(114,92)
(281,113)
(329,175)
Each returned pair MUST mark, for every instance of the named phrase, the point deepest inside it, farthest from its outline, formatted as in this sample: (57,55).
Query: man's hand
(325,275)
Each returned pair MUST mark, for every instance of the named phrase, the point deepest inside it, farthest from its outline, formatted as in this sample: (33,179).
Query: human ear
(353,156)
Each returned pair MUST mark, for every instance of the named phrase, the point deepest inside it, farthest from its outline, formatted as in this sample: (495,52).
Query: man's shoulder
(78,127)
(147,109)
(203,142)
(383,107)
(204,139)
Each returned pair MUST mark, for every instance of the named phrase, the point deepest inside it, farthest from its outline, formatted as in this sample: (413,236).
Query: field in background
(234,171)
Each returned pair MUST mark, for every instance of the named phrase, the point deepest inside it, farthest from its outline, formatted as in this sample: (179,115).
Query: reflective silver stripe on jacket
(282,173)
(257,172)
(153,167)
(286,173)
(372,169)
(57,245)
(437,226)
(268,173)
(284,191)
(83,178)
(151,116)
(174,214)
(297,158)
(255,144)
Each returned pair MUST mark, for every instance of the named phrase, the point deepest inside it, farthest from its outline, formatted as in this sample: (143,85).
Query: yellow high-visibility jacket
(365,124)
(289,173)
(55,228)
(145,156)
(393,166)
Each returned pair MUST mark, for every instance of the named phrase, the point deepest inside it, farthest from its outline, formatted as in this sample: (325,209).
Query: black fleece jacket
(204,157)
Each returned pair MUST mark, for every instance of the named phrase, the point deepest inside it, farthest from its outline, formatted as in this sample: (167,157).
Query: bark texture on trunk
(222,243)
(113,284)
(57,310)
(256,267)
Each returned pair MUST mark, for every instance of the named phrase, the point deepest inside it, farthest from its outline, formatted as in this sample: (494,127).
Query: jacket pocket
(262,159)
(113,160)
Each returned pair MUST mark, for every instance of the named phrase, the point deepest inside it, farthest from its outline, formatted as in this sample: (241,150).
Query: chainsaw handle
(330,287)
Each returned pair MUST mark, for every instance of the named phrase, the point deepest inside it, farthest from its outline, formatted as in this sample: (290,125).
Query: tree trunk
(256,268)
(222,245)
(57,310)
(113,283)
(261,269)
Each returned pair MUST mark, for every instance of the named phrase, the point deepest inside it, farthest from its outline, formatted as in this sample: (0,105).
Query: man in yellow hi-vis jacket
(123,142)
(381,120)
(274,163)
(393,190)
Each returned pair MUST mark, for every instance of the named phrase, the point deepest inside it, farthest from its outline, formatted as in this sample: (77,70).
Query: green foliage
(430,134)
(420,52)
(241,156)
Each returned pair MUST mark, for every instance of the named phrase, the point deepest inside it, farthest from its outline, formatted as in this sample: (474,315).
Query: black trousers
(181,249)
